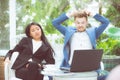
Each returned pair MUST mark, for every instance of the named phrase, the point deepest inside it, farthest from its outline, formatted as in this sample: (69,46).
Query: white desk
(71,76)
(78,76)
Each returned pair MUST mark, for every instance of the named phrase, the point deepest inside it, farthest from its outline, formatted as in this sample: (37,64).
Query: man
(78,37)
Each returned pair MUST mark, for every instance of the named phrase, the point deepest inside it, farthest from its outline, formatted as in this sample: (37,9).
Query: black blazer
(25,49)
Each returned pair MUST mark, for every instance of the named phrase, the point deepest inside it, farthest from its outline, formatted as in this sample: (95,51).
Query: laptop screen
(86,60)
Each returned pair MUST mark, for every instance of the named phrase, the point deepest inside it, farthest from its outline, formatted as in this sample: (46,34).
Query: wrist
(68,14)
(39,65)
(92,14)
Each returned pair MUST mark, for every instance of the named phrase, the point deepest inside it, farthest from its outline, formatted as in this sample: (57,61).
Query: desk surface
(78,74)
(52,70)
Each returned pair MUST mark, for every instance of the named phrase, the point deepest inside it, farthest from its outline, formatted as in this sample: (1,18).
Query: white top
(79,41)
(36,46)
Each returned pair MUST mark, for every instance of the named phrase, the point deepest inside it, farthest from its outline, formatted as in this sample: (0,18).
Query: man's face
(81,23)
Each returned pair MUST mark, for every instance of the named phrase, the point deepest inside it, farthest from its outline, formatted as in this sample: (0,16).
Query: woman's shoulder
(45,45)
(25,39)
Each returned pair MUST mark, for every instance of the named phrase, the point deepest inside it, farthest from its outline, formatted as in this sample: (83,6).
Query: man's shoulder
(91,28)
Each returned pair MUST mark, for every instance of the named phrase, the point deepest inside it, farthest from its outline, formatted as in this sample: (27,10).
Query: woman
(32,49)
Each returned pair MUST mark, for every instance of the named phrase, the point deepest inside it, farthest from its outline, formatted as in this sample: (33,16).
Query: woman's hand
(27,65)
(7,60)
(40,65)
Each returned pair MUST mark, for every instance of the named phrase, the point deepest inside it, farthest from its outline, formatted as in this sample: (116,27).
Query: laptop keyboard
(65,70)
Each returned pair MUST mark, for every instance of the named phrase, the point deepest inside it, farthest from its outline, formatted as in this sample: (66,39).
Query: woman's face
(35,32)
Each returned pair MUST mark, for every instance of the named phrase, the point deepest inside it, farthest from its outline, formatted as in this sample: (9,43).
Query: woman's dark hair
(43,37)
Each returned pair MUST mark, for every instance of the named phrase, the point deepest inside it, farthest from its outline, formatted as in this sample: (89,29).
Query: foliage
(41,11)
(107,44)
(116,49)
(114,32)
(81,4)
(110,41)
(60,40)
(4,29)
(113,12)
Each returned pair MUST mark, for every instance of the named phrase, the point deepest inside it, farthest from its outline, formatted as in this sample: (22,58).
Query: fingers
(39,65)
(7,60)
(87,12)
(27,65)
(76,12)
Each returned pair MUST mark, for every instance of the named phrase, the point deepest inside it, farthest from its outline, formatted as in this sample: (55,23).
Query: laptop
(86,60)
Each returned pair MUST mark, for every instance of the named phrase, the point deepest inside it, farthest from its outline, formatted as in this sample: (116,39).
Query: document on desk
(52,70)
(56,73)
